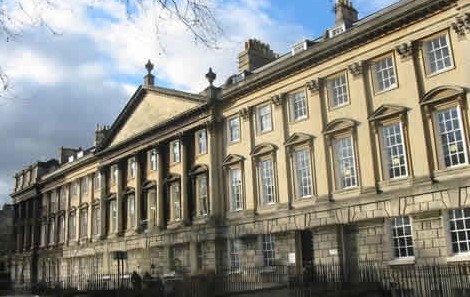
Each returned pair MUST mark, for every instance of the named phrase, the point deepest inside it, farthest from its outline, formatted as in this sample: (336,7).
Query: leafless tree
(197,16)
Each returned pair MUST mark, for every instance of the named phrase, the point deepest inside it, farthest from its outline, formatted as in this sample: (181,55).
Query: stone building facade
(352,146)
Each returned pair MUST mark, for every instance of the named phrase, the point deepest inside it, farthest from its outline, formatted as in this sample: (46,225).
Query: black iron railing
(358,276)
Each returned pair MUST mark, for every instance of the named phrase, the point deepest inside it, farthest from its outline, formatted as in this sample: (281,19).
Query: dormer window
(71,159)
(300,47)
(336,30)
(79,154)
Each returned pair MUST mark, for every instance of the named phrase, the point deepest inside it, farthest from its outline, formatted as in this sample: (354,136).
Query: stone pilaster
(184,181)
(160,205)
(103,202)
(139,161)
(119,199)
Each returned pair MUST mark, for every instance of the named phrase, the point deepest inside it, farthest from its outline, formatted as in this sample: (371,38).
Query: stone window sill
(459,258)
(402,261)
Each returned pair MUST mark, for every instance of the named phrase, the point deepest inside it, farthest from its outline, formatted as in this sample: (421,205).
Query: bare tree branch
(197,16)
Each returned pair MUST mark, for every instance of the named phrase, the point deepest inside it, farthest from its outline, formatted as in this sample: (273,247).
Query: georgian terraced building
(354,145)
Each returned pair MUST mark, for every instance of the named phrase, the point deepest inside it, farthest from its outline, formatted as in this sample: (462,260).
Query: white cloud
(28,64)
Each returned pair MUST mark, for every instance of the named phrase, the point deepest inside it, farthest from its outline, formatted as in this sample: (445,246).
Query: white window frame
(202,194)
(84,223)
(132,168)
(175,197)
(267,182)
(98,180)
(132,214)
(298,106)
(392,159)
(232,136)
(459,230)
(176,151)
(340,163)
(268,249)
(461,129)
(338,90)
(337,30)
(234,255)
(113,216)
(114,174)
(61,227)
(386,76)
(201,137)
(300,177)
(445,60)
(153,160)
(402,238)
(264,118)
(236,189)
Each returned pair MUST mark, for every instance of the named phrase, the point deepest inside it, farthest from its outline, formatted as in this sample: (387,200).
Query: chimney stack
(100,134)
(345,13)
(255,55)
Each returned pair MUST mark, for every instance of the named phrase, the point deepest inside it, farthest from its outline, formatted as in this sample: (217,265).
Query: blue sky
(64,84)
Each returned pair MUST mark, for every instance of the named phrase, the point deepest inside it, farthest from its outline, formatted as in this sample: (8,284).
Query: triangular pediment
(298,138)
(339,125)
(232,159)
(442,93)
(198,169)
(148,107)
(386,111)
(264,148)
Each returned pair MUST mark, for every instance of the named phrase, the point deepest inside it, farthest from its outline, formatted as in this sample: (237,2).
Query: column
(67,213)
(34,235)
(103,204)
(119,198)
(90,206)
(27,226)
(184,181)
(160,203)
(214,173)
(138,191)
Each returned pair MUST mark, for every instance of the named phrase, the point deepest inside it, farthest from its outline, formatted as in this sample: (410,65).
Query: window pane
(235,189)
(451,136)
(234,129)
(202,194)
(298,106)
(438,54)
(304,179)
(202,142)
(345,161)
(268,250)
(264,118)
(402,238)
(385,74)
(339,91)
(175,196)
(234,252)
(267,182)
(459,230)
(394,151)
